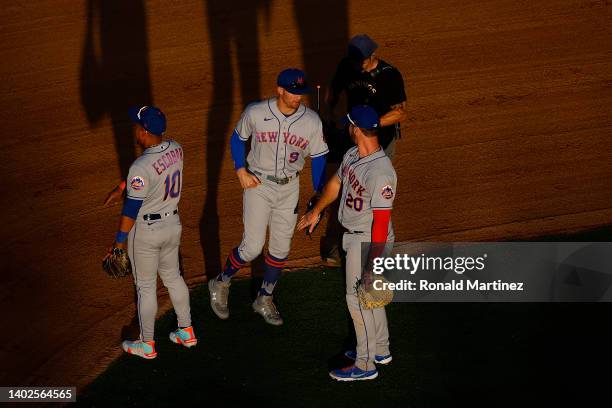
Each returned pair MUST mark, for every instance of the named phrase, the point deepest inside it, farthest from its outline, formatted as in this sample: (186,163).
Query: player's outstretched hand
(309,220)
(109,251)
(114,196)
(247,180)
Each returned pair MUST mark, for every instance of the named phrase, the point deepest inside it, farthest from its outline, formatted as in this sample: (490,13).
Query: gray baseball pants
(371,327)
(269,205)
(153,248)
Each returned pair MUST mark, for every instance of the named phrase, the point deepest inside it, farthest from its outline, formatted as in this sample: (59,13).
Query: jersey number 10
(173,185)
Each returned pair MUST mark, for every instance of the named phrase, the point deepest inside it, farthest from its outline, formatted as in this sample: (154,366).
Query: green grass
(444,354)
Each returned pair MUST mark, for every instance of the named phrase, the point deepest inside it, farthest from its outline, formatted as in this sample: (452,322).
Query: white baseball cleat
(265,307)
(219,292)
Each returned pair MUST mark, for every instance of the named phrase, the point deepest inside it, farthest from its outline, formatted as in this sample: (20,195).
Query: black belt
(153,217)
(277,180)
(352,232)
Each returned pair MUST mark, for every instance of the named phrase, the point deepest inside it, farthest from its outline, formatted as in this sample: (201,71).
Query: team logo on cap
(387,192)
(137,183)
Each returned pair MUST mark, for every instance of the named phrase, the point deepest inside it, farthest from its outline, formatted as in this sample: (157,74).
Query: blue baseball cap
(361,47)
(293,80)
(363,116)
(150,118)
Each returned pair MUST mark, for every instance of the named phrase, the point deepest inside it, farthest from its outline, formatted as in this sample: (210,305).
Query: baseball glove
(117,264)
(311,204)
(371,298)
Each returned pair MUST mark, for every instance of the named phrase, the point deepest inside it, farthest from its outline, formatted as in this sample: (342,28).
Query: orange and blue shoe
(184,337)
(353,373)
(144,349)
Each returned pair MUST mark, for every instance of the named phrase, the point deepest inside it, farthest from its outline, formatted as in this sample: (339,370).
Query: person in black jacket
(366,80)
(369,80)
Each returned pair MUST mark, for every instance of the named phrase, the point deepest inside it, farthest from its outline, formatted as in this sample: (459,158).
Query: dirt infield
(508,137)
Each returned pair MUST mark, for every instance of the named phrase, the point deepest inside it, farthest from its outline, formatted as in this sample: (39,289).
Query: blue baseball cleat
(383,360)
(353,373)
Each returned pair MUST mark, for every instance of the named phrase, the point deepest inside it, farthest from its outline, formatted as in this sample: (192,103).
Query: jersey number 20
(354,202)
(173,185)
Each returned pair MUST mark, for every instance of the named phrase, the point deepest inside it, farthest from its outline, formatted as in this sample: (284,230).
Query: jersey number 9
(173,185)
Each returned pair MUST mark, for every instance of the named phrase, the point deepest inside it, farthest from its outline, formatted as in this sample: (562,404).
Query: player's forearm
(318,172)
(126,223)
(238,149)
(395,115)
(330,193)
(380,231)
(129,213)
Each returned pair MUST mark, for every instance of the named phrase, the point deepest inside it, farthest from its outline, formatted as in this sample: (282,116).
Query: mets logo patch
(387,192)
(137,183)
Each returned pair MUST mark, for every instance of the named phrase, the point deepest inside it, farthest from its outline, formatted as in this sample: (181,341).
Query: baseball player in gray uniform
(367,182)
(283,133)
(150,223)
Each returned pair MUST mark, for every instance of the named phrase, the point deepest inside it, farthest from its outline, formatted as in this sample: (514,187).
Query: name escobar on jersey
(168,160)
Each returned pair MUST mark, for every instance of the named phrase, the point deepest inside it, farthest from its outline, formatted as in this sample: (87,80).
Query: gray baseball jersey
(155,177)
(368,183)
(153,247)
(279,146)
(280,143)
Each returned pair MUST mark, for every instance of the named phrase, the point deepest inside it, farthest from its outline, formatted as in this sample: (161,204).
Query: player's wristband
(122,185)
(121,237)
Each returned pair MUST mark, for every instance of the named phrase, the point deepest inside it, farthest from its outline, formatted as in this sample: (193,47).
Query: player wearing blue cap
(283,133)
(151,229)
(366,183)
